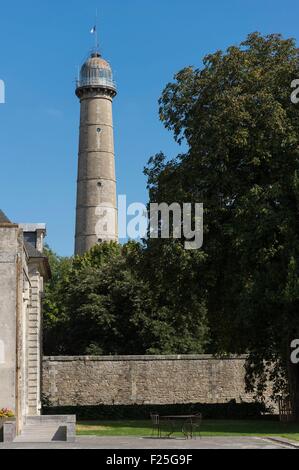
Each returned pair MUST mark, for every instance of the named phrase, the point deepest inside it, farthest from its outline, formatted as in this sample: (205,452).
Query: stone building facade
(23,270)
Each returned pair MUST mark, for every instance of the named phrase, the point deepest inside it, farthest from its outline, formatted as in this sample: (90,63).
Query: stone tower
(96,218)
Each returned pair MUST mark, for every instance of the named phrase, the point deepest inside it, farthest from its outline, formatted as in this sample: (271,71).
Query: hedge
(230,410)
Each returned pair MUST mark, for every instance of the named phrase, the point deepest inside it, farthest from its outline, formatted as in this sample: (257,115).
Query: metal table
(186,427)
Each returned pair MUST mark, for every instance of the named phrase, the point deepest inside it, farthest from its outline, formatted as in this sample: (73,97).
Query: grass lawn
(209,428)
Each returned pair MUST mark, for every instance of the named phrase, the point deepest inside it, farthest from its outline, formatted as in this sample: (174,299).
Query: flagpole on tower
(97,35)
(94,31)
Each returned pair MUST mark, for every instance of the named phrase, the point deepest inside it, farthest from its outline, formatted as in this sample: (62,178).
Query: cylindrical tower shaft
(96,219)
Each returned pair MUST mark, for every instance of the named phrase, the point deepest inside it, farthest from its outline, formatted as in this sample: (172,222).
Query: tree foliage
(113,300)
(242,132)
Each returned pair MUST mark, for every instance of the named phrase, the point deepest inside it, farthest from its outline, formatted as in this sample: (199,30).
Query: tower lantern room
(96,72)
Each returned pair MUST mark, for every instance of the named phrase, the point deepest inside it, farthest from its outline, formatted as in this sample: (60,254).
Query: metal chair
(285,410)
(192,425)
(196,423)
(155,418)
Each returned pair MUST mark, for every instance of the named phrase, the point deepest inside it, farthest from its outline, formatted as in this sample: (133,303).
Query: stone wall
(71,381)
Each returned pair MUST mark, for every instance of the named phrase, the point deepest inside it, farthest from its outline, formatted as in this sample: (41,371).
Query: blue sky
(42,43)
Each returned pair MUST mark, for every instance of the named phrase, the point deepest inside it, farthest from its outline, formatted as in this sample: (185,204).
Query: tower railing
(99,81)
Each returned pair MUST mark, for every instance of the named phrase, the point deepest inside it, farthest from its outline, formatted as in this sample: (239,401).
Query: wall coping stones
(189,357)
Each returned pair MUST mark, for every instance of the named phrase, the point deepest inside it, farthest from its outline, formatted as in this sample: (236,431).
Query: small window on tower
(99,184)
(99,130)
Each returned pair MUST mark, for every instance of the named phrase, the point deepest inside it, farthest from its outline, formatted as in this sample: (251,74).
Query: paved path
(93,442)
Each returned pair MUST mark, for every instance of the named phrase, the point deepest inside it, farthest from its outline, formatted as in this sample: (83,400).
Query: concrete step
(36,440)
(48,429)
(44,433)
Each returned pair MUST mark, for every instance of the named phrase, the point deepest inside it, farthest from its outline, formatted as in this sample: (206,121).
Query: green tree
(55,315)
(242,162)
(179,298)
(121,300)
